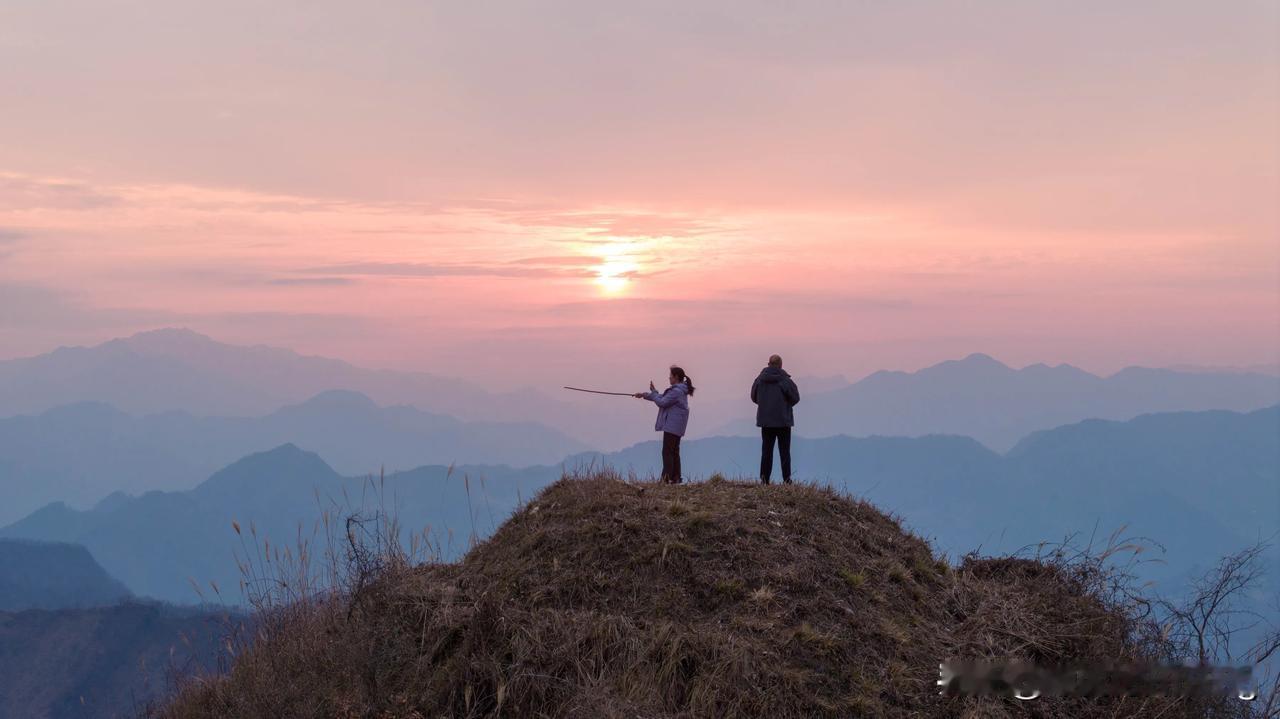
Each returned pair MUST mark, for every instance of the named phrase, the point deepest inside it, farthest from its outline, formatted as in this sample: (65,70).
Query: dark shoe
(786,480)
(764,480)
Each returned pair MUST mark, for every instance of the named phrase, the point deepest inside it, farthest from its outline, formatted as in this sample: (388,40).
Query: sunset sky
(529,192)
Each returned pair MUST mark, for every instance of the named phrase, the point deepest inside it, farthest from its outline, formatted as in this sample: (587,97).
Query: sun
(613,275)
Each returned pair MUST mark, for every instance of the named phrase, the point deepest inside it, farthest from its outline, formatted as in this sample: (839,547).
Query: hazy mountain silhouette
(982,398)
(1268,369)
(47,575)
(80,453)
(1227,464)
(101,662)
(180,370)
(157,542)
(1148,474)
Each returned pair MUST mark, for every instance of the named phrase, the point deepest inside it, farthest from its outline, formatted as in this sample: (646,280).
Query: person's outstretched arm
(666,399)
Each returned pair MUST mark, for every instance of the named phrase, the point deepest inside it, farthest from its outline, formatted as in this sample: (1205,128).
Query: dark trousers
(768,435)
(670,458)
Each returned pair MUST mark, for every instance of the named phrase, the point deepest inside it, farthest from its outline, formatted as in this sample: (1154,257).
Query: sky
(520,193)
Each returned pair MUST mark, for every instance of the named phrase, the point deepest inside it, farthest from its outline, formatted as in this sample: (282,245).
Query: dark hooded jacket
(774,393)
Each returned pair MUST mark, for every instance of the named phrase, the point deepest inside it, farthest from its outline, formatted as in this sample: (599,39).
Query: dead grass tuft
(855,580)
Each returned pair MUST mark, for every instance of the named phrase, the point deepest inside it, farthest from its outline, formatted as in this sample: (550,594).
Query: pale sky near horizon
(526,192)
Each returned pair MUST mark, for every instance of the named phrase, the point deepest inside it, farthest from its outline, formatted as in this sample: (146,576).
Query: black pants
(670,457)
(783,437)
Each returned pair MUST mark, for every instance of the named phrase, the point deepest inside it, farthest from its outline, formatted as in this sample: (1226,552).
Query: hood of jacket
(773,374)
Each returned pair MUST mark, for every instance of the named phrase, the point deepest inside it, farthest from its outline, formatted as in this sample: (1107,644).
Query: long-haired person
(673,419)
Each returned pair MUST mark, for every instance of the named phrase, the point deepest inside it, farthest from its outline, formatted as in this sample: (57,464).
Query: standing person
(673,419)
(775,393)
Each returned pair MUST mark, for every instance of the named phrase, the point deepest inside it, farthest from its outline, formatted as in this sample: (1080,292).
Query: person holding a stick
(673,419)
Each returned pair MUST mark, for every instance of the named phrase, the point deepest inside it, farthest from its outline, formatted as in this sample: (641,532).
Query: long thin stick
(596,391)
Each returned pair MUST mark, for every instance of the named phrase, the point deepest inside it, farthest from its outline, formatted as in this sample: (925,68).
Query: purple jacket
(673,408)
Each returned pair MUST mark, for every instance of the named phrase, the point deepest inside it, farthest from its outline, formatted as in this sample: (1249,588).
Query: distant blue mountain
(179,370)
(47,575)
(998,405)
(1202,484)
(1223,463)
(159,542)
(80,453)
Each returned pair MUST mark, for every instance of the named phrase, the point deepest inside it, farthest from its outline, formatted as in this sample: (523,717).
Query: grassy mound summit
(603,598)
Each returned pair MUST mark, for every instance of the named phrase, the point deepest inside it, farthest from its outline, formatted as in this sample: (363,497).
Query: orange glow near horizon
(302,269)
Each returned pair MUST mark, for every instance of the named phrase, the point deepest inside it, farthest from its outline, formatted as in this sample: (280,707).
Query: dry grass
(605,598)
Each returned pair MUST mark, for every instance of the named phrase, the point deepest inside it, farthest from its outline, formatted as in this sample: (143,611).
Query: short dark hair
(775,360)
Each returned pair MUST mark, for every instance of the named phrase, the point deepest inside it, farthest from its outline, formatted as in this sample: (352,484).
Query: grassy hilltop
(605,598)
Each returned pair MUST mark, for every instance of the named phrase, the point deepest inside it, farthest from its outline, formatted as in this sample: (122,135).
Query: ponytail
(680,375)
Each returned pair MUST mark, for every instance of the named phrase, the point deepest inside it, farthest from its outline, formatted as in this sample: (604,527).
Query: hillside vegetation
(103,662)
(605,598)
